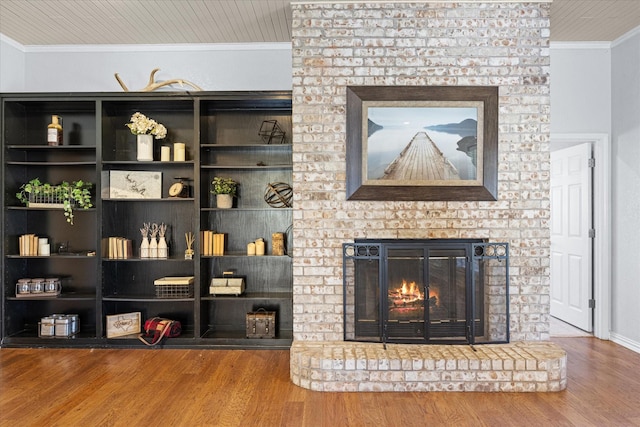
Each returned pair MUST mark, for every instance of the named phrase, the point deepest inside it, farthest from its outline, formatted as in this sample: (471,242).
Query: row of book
(211,243)
(29,245)
(117,248)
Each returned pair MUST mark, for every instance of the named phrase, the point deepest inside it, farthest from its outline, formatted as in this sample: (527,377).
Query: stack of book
(117,248)
(211,243)
(28,245)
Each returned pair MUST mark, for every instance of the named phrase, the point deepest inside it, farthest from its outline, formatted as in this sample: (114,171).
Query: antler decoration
(153,85)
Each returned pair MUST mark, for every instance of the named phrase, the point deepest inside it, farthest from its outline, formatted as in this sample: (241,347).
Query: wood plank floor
(84,387)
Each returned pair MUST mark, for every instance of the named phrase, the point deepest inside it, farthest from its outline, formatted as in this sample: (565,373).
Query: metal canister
(75,323)
(47,327)
(63,326)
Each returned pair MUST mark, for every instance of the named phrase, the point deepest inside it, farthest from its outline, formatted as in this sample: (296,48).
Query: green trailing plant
(76,194)
(224,186)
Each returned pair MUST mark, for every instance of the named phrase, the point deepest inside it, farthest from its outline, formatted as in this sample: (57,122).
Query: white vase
(163,250)
(144,151)
(153,248)
(144,248)
(224,201)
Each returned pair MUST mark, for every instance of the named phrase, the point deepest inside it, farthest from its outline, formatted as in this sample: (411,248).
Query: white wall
(92,68)
(580,88)
(595,89)
(12,65)
(626,191)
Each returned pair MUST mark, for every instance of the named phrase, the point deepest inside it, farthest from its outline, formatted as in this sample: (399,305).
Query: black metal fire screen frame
(487,272)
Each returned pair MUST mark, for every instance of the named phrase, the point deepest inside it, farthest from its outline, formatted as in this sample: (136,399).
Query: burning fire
(407,294)
(410,294)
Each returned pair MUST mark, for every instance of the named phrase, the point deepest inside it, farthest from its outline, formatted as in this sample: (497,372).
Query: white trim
(623,38)
(625,342)
(602,224)
(11,42)
(580,45)
(178,47)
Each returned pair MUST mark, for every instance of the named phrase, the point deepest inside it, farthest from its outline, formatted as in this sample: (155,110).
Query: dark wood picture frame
(486,185)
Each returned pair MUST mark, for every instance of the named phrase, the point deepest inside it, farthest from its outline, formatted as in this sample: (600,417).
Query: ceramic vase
(153,248)
(163,250)
(144,147)
(144,248)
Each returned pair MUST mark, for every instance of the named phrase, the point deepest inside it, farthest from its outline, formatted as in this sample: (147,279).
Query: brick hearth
(347,366)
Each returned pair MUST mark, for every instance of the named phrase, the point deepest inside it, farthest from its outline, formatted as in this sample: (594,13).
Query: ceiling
(94,22)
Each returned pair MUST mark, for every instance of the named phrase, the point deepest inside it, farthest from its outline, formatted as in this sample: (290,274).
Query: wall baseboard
(625,342)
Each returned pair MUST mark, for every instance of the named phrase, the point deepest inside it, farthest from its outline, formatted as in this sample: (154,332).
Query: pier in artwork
(421,160)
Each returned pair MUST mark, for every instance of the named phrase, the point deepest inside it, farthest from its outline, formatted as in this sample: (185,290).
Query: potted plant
(145,130)
(225,190)
(65,195)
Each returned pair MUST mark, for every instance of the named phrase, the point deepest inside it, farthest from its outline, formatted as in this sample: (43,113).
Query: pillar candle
(45,249)
(179,152)
(251,249)
(165,153)
(259,247)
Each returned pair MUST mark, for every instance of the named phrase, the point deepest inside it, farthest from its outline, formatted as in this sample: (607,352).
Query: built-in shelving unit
(221,135)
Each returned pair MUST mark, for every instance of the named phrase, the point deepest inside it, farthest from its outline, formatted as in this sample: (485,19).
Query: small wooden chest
(261,324)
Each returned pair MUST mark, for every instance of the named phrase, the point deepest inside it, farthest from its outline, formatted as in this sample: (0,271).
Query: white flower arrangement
(142,125)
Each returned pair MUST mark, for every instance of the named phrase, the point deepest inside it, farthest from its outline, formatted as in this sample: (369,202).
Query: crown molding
(627,36)
(178,47)
(580,45)
(11,42)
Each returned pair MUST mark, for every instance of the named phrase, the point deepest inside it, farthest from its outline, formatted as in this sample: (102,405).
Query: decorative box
(227,285)
(261,324)
(174,287)
(120,325)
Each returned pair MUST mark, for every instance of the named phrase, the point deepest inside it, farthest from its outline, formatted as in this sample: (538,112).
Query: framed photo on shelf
(422,143)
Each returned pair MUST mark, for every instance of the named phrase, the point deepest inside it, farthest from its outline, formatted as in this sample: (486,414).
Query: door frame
(601,223)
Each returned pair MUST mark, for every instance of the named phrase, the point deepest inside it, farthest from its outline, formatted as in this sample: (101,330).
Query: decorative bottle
(54,131)
(163,250)
(153,244)
(144,246)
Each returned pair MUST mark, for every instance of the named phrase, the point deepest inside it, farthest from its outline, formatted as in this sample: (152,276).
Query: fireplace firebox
(426,291)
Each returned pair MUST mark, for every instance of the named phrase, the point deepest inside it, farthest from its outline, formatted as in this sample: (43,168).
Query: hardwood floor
(84,387)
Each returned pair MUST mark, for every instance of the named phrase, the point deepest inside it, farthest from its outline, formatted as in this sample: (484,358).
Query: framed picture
(435,143)
(135,185)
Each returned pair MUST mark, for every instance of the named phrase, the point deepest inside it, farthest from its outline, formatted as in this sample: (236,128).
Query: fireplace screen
(426,291)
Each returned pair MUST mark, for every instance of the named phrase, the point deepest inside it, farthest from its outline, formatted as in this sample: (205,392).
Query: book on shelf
(114,247)
(211,243)
(28,245)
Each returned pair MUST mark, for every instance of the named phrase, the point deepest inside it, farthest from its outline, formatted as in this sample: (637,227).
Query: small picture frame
(120,325)
(135,185)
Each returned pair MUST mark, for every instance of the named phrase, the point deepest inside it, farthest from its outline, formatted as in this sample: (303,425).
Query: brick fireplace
(503,44)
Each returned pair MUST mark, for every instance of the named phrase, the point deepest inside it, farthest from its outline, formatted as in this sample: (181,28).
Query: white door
(571,243)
